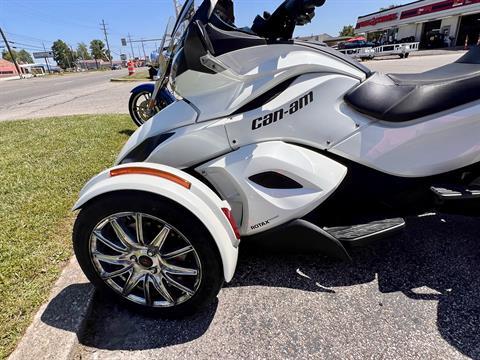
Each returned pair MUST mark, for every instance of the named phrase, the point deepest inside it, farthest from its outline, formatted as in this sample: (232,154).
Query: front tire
(139,109)
(148,253)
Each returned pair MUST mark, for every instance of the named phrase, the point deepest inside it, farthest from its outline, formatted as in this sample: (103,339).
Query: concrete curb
(54,331)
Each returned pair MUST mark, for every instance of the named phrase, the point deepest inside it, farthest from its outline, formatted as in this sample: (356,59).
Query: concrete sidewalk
(54,331)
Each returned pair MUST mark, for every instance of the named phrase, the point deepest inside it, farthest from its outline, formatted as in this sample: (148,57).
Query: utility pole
(73,58)
(131,46)
(144,55)
(106,39)
(11,54)
(46,59)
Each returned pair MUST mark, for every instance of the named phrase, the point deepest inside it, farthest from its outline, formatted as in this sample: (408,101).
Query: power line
(27,37)
(23,44)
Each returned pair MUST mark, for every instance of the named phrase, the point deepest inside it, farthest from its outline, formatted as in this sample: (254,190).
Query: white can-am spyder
(272,138)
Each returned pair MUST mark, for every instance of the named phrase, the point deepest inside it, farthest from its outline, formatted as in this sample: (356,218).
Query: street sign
(123,57)
(43,54)
(124,42)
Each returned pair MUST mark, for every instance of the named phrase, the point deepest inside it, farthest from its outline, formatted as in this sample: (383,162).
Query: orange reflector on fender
(153,172)
(232,222)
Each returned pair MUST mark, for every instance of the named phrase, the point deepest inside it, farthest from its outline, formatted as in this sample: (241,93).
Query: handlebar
(314,3)
(281,24)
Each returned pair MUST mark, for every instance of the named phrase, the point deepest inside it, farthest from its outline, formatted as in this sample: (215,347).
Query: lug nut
(133,258)
(150,253)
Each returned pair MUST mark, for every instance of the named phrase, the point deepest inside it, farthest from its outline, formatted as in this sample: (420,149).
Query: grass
(43,165)
(139,75)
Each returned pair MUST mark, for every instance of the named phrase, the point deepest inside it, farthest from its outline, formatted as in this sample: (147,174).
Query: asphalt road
(414,296)
(71,94)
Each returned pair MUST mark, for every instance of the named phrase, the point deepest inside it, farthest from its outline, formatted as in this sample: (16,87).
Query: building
(316,38)
(7,69)
(325,38)
(93,65)
(433,23)
(33,69)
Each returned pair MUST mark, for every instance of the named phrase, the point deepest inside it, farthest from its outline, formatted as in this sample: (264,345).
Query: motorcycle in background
(148,99)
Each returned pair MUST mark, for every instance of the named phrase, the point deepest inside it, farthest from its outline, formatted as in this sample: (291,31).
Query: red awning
(358,38)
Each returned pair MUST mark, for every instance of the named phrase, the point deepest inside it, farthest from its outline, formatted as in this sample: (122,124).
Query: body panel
(199,200)
(258,208)
(251,72)
(424,147)
(310,112)
(175,115)
(191,145)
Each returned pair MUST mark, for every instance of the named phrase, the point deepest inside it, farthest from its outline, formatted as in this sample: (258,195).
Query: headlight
(142,152)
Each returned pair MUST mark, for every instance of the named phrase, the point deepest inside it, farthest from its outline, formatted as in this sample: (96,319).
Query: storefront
(433,23)
(7,69)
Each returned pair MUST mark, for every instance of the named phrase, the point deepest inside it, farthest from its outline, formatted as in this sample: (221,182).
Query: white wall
(418,34)
(453,23)
(407,31)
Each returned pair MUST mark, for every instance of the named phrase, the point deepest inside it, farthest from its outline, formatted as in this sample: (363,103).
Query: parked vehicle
(355,44)
(272,138)
(116,67)
(140,106)
(148,99)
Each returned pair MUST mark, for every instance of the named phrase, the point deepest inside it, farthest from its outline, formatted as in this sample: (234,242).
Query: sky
(30,23)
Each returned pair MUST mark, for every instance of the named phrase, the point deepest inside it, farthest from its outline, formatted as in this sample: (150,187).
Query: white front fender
(199,199)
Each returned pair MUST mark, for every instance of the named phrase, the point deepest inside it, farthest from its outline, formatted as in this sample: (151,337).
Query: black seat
(404,97)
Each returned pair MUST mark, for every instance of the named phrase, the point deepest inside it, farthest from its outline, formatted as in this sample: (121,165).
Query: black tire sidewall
(170,212)
(131,104)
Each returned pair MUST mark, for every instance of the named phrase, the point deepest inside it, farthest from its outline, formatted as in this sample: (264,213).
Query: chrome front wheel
(148,252)
(145,259)
(139,109)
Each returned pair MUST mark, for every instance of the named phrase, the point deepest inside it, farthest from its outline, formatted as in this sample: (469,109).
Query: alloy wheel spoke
(121,234)
(177,253)
(177,270)
(108,243)
(161,289)
(178,285)
(146,290)
(161,237)
(120,257)
(109,275)
(110,259)
(139,228)
(132,282)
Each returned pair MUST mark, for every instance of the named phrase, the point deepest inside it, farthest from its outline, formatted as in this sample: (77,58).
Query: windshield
(172,37)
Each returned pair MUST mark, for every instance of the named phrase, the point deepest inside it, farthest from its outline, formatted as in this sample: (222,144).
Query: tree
(348,30)
(6,55)
(62,54)
(22,56)
(82,51)
(97,49)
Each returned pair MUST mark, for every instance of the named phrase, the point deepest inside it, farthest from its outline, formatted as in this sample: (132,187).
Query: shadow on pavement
(126,330)
(65,310)
(436,259)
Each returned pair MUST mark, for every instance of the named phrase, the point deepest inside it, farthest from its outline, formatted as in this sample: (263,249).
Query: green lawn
(139,75)
(43,165)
